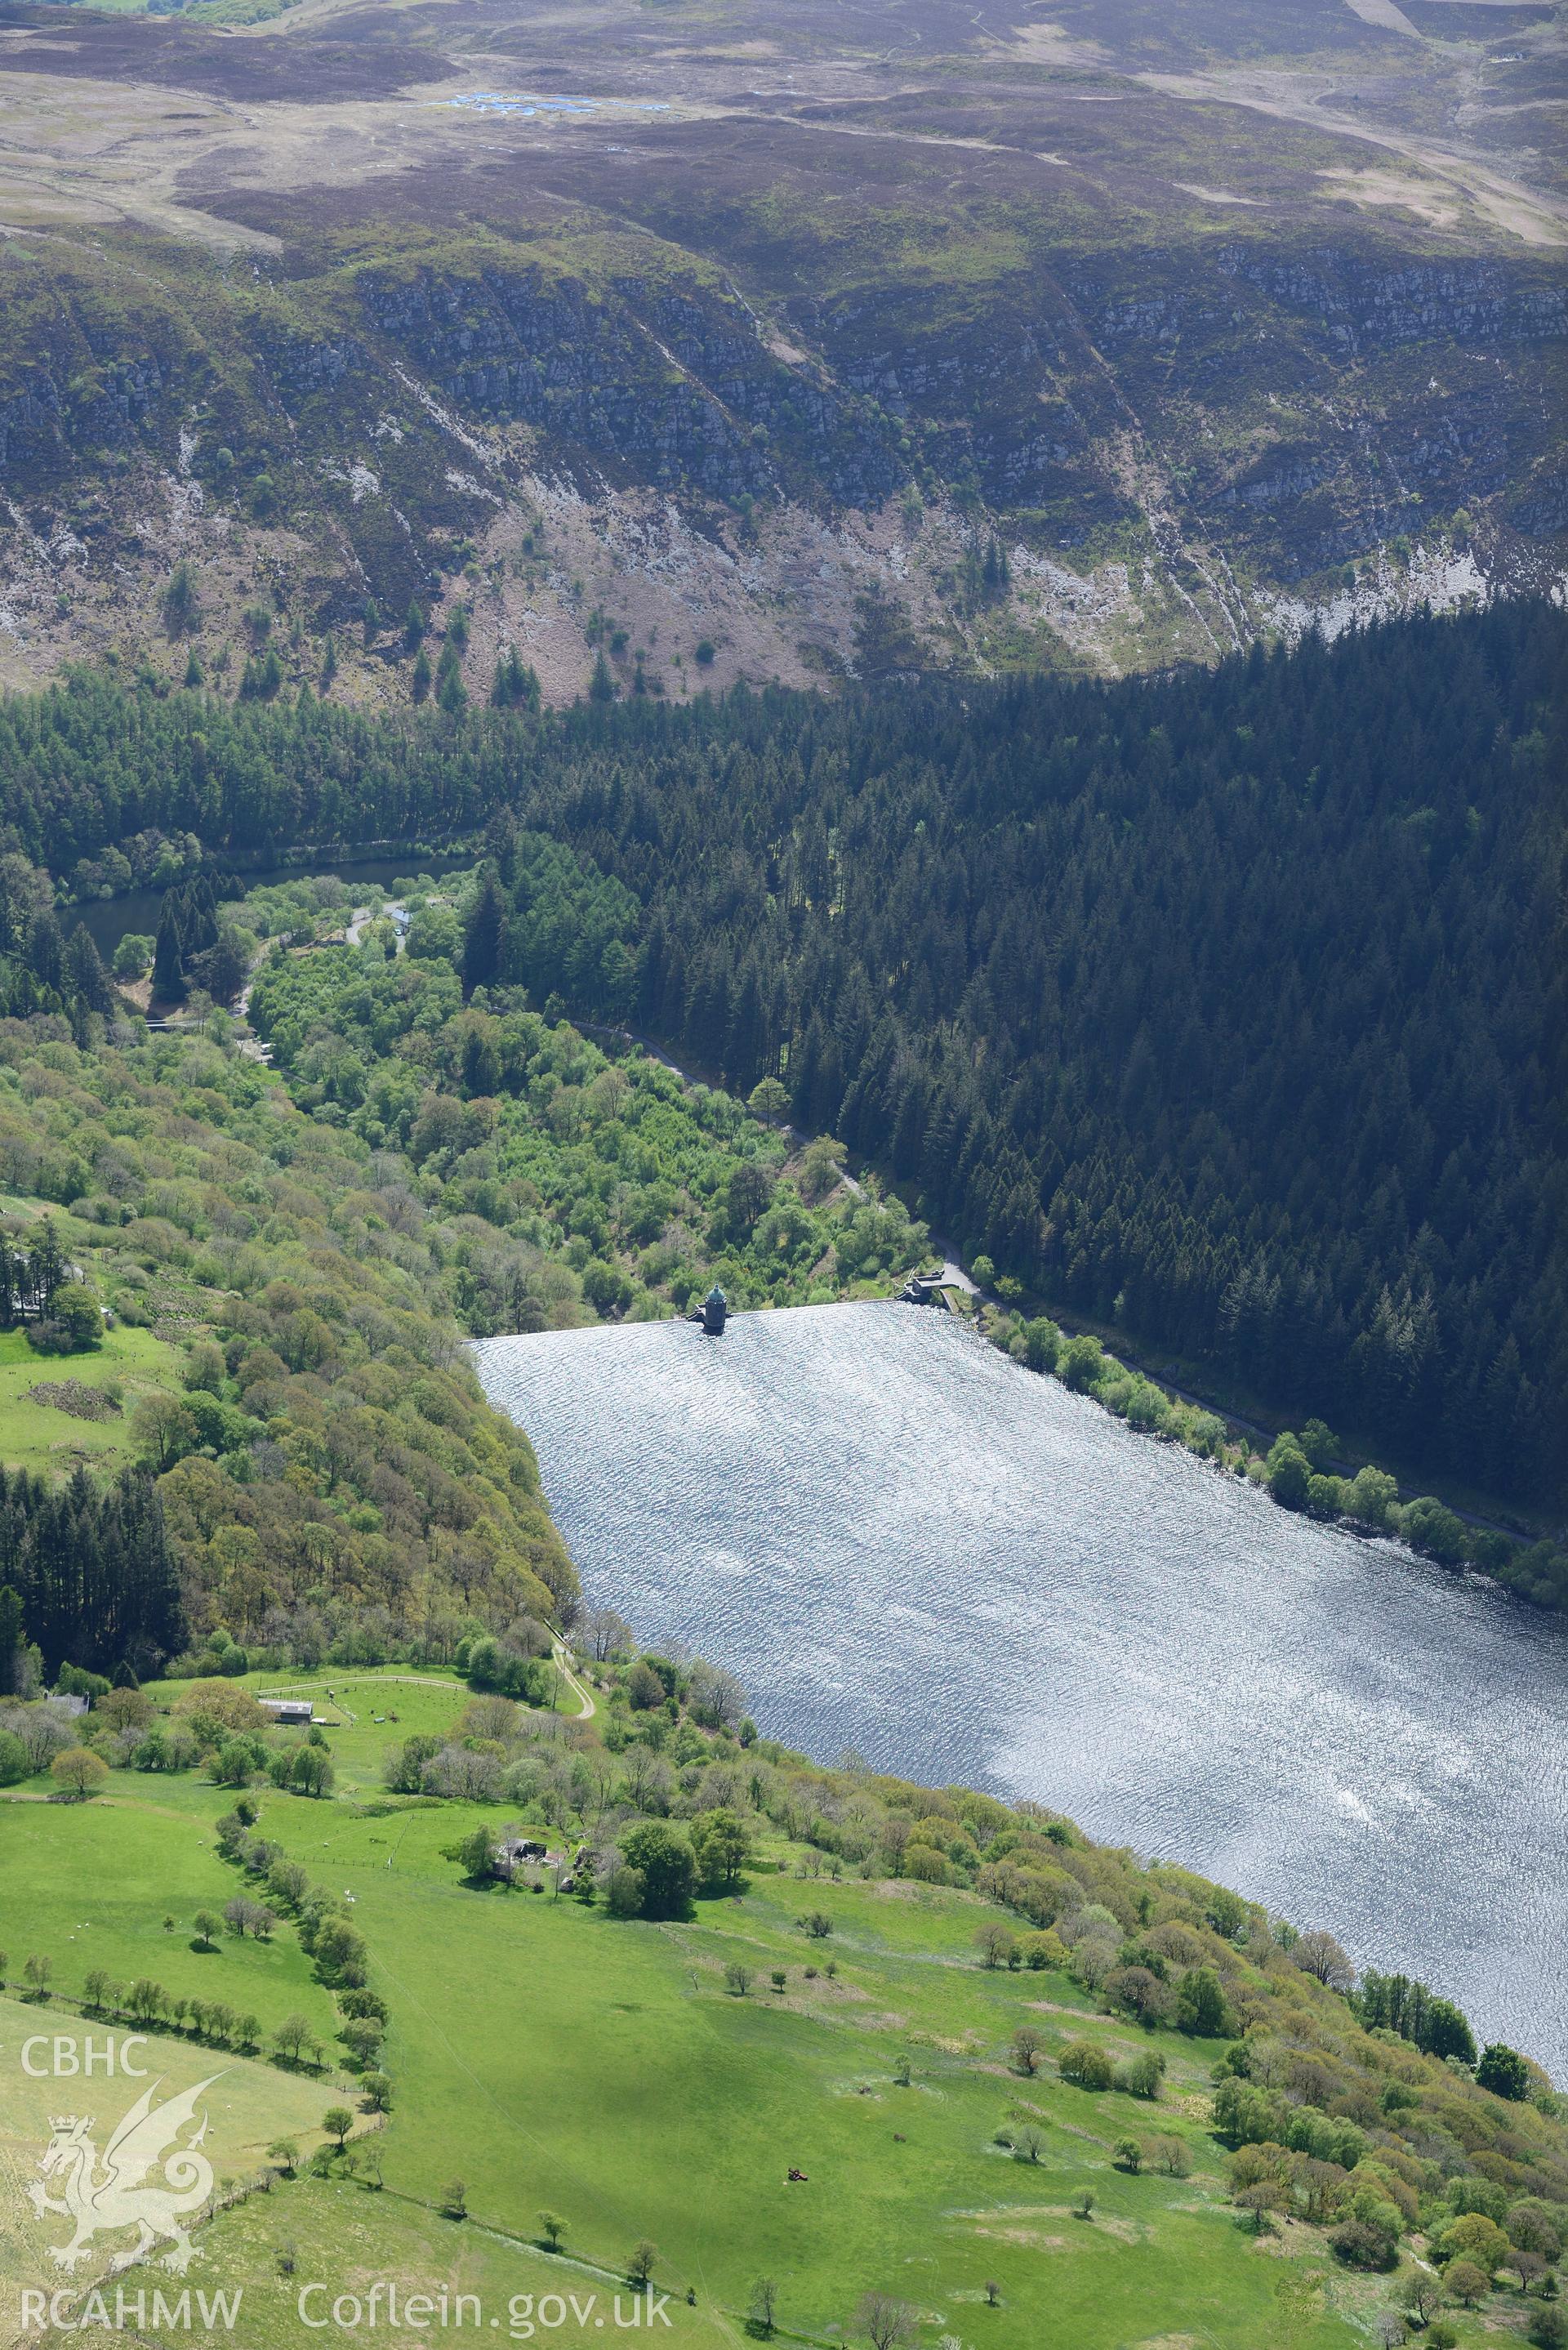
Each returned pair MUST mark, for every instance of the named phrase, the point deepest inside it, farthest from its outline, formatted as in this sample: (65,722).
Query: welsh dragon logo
(104,2194)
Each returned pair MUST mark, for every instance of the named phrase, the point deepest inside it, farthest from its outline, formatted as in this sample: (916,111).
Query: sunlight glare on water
(905,1543)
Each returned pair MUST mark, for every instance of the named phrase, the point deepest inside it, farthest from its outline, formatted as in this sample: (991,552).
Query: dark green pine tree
(48,1264)
(500,845)
(10,1637)
(84,974)
(482,934)
(198,916)
(480,1066)
(93,1571)
(516,683)
(169,958)
(47,950)
(450,693)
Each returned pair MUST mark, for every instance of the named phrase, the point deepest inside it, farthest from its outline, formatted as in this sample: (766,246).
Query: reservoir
(905,1543)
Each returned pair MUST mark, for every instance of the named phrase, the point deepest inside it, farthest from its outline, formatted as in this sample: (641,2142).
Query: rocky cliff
(959,373)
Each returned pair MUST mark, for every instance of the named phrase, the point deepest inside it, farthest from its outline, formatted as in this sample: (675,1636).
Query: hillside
(1219,1012)
(332,1469)
(1038,2094)
(738,346)
(250,1308)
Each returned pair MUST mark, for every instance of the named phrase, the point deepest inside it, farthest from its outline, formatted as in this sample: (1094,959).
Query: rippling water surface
(905,1543)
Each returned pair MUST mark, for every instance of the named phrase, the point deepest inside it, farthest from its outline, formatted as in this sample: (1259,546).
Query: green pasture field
(364,1712)
(91,1885)
(348,2238)
(606,2071)
(248,2105)
(555,2058)
(35,1436)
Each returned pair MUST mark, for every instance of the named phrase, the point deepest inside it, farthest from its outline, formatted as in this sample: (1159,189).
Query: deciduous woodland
(1229,1007)
(331,1462)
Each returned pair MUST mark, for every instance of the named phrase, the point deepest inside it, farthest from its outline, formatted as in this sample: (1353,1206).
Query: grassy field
(364,1712)
(554,2057)
(606,2071)
(247,2105)
(38,1436)
(116,1883)
(348,2238)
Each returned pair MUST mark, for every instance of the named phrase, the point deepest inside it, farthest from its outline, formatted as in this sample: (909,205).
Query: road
(587,1705)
